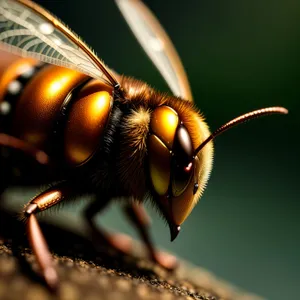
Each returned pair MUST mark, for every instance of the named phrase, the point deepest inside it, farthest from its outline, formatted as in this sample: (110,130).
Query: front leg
(138,216)
(44,201)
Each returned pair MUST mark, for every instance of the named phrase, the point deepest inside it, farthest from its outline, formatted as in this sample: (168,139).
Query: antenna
(242,119)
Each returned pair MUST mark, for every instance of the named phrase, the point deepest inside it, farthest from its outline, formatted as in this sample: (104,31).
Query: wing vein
(28,30)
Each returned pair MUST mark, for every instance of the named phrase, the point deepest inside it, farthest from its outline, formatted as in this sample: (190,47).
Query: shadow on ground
(97,273)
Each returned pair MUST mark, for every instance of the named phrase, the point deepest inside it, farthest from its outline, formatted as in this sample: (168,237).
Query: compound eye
(182,161)
(183,147)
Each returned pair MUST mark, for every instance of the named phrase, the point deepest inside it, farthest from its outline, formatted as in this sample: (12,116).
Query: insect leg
(120,242)
(138,216)
(15,143)
(43,201)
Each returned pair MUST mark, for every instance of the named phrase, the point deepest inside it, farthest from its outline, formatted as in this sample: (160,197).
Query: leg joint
(30,209)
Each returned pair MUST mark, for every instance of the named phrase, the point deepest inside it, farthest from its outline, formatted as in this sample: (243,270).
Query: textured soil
(85,271)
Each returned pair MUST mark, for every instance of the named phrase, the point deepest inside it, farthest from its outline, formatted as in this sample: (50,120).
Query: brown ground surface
(87,273)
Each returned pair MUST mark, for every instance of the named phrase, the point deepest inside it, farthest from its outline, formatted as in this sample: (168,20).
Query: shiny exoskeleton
(74,119)
(99,133)
(102,144)
(58,110)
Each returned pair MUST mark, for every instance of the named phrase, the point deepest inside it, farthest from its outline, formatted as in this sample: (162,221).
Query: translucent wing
(28,30)
(157,45)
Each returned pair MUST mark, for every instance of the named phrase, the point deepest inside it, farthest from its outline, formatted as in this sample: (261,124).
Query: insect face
(177,175)
(180,157)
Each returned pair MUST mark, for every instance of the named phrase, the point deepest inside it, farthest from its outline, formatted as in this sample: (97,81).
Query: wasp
(109,136)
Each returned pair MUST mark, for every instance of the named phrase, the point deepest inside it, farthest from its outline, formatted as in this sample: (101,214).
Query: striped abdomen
(59,110)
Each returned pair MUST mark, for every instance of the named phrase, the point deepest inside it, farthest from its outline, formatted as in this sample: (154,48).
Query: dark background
(239,56)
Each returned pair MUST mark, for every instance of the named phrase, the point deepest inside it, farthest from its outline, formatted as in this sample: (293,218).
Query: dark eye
(183,148)
(182,161)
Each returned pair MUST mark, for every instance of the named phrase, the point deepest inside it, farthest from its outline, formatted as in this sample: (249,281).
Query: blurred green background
(239,56)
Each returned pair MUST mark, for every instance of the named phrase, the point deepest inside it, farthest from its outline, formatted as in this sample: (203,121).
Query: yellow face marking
(184,203)
(159,165)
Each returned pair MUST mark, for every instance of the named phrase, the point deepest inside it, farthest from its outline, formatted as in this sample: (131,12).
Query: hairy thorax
(136,107)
